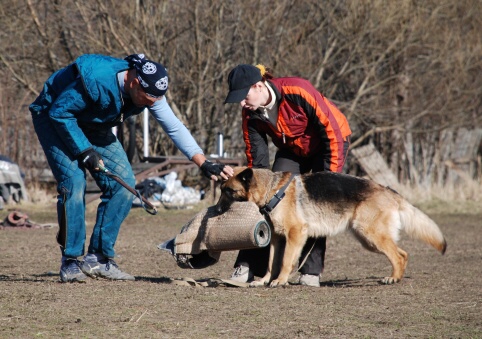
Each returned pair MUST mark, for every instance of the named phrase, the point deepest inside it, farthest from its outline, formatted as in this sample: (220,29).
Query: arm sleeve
(325,123)
(174,128)
(257,152)
(331,143)
(70,102)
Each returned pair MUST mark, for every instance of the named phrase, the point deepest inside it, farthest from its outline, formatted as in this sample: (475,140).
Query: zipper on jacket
(284,139)
(122,100)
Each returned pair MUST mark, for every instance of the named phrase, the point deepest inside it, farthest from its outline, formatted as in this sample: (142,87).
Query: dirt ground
(440,296)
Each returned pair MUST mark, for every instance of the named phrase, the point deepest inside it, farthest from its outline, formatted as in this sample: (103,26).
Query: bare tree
(404,72)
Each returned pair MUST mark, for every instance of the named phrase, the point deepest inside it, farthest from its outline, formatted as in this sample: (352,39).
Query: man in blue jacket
(73,118)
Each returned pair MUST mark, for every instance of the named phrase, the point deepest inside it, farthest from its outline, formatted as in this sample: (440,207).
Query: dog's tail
(418,225)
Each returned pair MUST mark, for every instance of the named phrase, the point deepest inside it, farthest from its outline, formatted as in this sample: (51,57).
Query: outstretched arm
(183,140)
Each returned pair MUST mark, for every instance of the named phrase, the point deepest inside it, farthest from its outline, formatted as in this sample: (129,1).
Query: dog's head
(235,188)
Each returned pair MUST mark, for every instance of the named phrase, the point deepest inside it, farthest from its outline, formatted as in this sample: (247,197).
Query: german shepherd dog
(324,204)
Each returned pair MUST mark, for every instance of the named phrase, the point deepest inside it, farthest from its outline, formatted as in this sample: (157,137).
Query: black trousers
(257,259)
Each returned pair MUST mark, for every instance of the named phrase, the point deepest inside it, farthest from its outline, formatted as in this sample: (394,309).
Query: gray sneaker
(309,280)
(106,268)
(70,271)
(242,274)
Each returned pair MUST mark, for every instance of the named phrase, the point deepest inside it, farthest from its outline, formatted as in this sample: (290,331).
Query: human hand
(227,172)
(91,160)
(212,170)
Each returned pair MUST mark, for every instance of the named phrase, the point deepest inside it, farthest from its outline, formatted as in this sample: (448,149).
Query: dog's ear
(245,178)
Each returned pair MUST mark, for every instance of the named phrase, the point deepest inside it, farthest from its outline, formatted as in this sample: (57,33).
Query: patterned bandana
(151,75)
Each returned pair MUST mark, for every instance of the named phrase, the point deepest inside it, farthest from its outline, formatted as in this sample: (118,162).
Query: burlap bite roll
(241,227)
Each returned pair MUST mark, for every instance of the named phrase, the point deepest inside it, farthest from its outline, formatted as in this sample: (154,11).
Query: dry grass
(439,298)
(466,199)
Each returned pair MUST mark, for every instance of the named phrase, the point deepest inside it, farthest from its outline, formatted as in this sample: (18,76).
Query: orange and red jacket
(308,124)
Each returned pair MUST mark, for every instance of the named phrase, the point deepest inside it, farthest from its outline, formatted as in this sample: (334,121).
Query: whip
(148,207)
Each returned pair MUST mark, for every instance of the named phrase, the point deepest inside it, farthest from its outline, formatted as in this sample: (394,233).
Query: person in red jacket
(310,133)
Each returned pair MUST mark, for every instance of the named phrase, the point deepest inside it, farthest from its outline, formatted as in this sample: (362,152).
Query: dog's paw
(389,280)
(276,283)
(257,283)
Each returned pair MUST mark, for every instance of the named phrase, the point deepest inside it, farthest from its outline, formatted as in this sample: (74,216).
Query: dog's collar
(278,196)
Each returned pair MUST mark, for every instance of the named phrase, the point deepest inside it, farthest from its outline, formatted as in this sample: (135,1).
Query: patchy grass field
(440,296)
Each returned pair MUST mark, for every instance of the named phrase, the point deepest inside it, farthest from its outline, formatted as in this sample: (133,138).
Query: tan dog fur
(325,204)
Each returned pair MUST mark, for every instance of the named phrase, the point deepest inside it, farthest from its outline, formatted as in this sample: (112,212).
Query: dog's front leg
(295,240)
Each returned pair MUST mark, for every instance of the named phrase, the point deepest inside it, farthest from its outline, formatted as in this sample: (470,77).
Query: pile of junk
(12,186)
(169,192)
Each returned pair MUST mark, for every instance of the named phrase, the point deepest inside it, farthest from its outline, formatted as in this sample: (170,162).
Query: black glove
(90,159)
(209,168)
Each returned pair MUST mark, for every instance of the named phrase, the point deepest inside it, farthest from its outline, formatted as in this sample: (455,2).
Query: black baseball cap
(240,80)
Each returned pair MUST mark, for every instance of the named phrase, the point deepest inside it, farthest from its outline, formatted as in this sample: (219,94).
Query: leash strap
(303,261)
(210,282)
(149,209)
(275,200)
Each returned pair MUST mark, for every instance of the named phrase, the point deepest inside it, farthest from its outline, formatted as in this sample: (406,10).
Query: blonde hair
(265,71)
(261,68)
